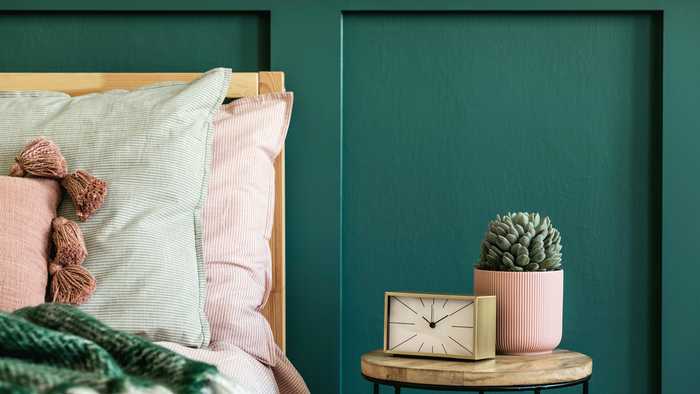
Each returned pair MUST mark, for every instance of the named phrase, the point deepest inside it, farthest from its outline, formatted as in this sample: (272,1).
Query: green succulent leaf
(522,260)
(503,243)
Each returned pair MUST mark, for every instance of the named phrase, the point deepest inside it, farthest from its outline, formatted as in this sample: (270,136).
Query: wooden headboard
(242,85)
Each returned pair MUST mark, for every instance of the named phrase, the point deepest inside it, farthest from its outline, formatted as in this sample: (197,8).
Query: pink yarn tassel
(71,284)
(86,191)
(68,241)
(41,158)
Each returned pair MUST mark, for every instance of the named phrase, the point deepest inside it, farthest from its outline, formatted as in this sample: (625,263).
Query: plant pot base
(528,354)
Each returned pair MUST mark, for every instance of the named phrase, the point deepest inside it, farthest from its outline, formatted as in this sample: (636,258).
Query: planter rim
(557,272)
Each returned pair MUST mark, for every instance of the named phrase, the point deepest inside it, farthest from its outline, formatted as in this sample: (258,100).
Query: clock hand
(431,310)
(442,318)
(450,314)
(426,320)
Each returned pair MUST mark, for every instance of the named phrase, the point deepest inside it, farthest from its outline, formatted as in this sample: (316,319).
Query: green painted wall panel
(128,41)
(451,118)
(681,193)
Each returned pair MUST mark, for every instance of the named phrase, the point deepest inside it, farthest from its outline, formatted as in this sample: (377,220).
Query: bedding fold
(262,377)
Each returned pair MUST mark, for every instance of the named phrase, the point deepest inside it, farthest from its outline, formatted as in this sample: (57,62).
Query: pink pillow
(248,135)
(27,206)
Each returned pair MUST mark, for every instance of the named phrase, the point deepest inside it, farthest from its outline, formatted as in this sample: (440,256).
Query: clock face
(440,326)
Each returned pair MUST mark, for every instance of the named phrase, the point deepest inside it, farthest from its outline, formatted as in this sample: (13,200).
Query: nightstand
(561,368)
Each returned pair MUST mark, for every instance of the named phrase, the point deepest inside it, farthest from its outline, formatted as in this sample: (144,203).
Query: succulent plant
(521,242)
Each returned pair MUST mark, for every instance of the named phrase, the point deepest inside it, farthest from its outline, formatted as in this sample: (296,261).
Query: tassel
(68,241)
(71,284)
(41,158)
(86,191)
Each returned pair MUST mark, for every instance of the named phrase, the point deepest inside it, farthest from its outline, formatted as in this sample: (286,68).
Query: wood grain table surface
(557,367)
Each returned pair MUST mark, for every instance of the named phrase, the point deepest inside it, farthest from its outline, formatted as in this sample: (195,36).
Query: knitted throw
(56,348)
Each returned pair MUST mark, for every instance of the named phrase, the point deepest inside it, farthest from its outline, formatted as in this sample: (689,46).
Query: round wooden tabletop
(559,366)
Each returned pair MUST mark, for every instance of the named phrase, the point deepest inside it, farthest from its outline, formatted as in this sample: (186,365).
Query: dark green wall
(415,122)
(134,41)
(549,112)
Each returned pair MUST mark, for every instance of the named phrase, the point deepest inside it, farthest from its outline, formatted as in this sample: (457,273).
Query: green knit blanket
(54,348)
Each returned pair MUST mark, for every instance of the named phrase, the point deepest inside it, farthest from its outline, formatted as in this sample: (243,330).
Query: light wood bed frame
(242,85)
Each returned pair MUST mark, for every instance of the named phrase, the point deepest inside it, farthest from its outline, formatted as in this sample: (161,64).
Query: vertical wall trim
(305,44)
(340,202)
(661,58)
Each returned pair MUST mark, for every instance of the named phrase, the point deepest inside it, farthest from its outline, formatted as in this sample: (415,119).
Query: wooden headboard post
(275,309)
(242,85)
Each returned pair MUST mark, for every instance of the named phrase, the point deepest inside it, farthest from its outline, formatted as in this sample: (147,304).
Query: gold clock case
(484,325)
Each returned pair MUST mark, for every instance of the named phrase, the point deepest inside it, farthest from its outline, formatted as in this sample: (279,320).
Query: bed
(232,361)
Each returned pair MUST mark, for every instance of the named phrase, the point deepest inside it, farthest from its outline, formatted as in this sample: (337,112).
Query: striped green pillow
(153,147)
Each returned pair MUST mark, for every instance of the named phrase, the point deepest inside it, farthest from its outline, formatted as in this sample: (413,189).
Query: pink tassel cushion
(27,207)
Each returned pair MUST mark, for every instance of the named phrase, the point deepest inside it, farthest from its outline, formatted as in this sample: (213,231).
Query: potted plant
(520,263)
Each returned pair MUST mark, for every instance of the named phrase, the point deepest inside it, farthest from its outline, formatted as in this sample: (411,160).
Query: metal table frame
(480,389)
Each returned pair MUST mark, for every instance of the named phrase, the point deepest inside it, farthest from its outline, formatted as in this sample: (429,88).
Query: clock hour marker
(421,301)
(443,305)
(443,348)
(404,304)
(404,341)
(432,348)
(421,346)
(400,322)
(462,346)
(463,326)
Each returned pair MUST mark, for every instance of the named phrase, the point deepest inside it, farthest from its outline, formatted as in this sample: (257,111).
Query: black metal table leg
(535,388)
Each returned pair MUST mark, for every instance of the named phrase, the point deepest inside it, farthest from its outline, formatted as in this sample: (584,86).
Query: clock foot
(397,389)
(585,387)
(376,388)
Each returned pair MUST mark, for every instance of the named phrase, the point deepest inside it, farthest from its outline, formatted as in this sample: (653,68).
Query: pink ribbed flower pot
(528,307)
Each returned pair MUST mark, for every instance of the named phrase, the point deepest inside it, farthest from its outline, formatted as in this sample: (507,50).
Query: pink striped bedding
(248,135)
(235,364)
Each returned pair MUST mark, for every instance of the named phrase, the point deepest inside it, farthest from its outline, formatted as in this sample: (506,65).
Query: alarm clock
(440,325)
